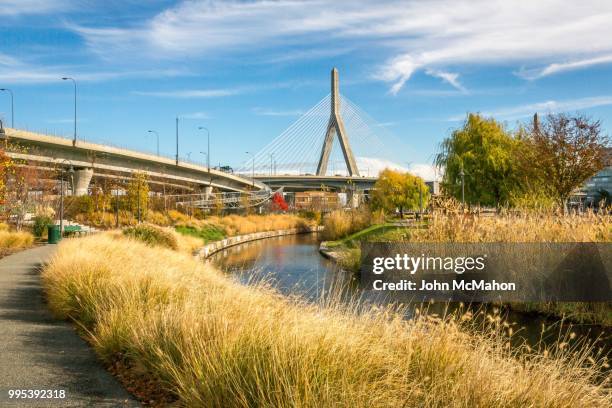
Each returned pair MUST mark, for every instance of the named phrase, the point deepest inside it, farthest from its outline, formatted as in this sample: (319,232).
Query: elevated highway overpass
(91,160)
(314,182)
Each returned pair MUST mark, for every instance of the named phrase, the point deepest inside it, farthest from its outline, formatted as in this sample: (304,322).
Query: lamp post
(271,162)
(207,146)
(177,140)
(63,173)
(253,171)
(462,174)
(12,106)
(157,135)
(75,107)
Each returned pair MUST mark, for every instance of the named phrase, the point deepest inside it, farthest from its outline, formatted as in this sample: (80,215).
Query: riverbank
(208,341)
(216,246)
(510,228)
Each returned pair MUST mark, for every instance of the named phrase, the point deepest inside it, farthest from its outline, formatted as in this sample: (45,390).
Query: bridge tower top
(336,126)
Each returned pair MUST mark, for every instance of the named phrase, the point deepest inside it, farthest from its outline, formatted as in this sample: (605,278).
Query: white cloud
(420,35)
(564,66)
(449,77)
(426,171)
(371,166)
(13,70)
(190,93)
(18,7)
(521,111)
(273,112)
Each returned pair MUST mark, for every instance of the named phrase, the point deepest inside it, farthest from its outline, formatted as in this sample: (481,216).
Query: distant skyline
(246,70)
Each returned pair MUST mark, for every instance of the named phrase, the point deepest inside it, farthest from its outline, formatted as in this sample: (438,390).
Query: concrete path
(38,352)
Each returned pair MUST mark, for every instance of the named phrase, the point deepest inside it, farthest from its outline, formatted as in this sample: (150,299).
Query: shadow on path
(39,352)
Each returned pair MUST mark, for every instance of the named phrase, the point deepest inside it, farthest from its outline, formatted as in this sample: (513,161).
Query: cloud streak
(419,35)
(190,93)
(552,106)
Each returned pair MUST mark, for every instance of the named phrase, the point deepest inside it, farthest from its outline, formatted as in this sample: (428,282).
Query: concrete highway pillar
(80,181)
(352,199)
(207,192)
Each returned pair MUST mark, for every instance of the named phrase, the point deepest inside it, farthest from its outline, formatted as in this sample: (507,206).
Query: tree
(396,190)
(567,150)
(485,151)
(138,194)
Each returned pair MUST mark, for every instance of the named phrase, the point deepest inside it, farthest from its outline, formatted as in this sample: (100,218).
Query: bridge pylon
(336,126)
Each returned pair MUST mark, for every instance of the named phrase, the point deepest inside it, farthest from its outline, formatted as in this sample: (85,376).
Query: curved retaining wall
(209,249)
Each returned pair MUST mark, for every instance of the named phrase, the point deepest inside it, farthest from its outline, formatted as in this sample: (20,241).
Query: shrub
(158,218)
(15,240)
(208,232)
(40,225)
(152,235)
(177,216)
(340,223)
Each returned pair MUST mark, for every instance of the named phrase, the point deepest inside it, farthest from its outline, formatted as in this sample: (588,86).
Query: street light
(75,107)
(271,162)
(156,134)
(253,173)
(12,107)
(63,173)
(177,140)
(207,146)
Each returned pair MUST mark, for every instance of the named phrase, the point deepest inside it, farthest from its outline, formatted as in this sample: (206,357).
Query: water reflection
(294,265)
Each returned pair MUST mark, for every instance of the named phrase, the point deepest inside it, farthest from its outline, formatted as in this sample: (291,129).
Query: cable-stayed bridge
(335,145)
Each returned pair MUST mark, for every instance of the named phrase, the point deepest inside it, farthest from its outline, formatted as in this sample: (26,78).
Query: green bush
(40,225)
(208,233)
(152,235)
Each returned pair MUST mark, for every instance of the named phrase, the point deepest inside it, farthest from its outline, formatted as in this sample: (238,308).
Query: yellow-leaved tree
(395,190)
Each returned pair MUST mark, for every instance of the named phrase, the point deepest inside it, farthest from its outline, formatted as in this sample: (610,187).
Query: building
(601,183)
(316,200)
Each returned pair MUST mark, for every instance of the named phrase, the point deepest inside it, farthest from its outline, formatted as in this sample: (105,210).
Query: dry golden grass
(524,227)
(15,240)
(213,342)
(240,225)
(340,223)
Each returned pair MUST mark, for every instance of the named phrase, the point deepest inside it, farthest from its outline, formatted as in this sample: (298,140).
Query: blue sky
(247,70)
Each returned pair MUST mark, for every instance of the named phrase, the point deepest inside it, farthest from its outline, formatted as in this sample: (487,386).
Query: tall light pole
(63,174)
(207,146)
(177,149)
(271,162)
(75,108)
(253,172)
(12,106)
(156,134)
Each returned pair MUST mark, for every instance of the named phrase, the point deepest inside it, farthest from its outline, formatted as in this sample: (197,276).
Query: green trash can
(53,234)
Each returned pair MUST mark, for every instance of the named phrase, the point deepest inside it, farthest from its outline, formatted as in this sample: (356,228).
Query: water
(294,265)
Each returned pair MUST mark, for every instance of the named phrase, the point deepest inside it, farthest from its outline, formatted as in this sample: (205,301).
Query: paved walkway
(40,352)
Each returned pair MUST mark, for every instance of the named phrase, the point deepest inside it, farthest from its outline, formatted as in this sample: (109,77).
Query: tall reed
(212,342)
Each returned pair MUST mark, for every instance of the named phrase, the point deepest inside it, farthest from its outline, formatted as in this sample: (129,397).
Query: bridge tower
(336,126)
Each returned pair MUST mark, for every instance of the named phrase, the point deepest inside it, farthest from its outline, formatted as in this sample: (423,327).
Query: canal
(293,265)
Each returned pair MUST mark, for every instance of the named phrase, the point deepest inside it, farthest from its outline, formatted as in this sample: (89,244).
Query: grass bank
(217,228)
(210,341)
(502,228)
(11,241)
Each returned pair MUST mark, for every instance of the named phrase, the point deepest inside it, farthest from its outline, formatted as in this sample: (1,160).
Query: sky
(246,70)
